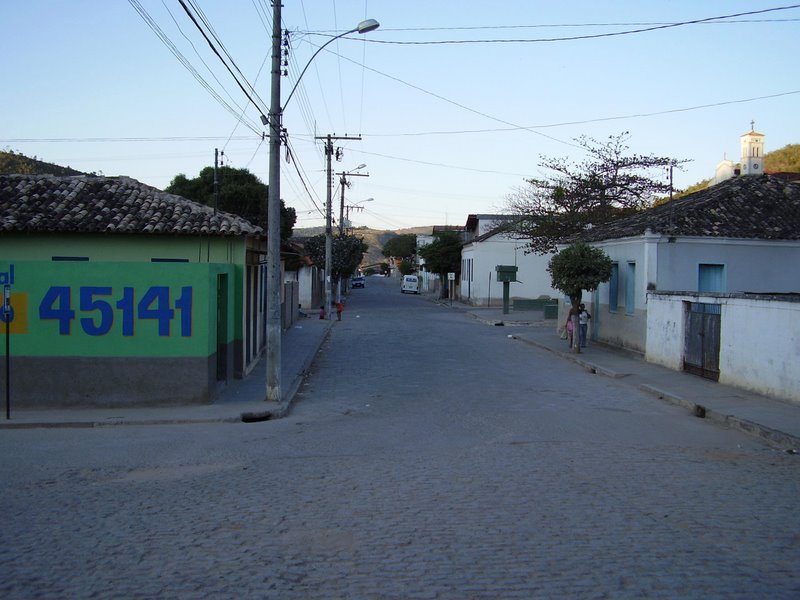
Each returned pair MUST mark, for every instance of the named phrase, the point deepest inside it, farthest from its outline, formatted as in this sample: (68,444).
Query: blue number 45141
(154,304)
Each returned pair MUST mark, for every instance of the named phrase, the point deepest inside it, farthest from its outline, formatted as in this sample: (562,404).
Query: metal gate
(701,355)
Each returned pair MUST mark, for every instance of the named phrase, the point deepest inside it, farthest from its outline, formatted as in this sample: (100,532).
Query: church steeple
(752,151)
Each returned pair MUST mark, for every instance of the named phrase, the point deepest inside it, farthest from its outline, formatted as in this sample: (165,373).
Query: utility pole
(343,183)
(216,180)
(328,229)
(273,350)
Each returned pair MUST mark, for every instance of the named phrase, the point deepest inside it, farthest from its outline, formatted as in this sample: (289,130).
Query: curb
(773,436)
(284,405)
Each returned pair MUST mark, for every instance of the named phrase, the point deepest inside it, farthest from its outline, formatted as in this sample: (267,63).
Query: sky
(456,102)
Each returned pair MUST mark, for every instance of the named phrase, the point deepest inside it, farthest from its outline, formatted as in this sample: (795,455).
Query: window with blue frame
(613,288)
(630,289)
(711,278)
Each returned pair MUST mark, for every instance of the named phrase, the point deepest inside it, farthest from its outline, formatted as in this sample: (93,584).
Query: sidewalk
(241,399)
(774,420)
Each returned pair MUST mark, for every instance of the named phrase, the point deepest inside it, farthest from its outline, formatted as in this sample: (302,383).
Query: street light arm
(363,27)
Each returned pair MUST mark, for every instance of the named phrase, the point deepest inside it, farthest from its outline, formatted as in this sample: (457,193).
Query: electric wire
(164,38)
(578,37)
(261,108)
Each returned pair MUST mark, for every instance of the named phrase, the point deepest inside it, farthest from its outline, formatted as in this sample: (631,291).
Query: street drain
(256,417)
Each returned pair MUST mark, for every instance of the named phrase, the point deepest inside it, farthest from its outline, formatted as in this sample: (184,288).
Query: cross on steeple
(752,125)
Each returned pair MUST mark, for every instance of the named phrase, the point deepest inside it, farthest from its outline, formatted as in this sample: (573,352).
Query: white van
(410,284)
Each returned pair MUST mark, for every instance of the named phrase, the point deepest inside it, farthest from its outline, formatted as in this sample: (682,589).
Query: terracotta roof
(757,207)
(90,204)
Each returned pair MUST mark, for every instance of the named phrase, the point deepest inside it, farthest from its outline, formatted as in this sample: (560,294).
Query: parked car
(358,282)
(410,284)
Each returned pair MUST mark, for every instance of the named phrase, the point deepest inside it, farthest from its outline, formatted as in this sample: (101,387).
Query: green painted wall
(121,247)
(117,309)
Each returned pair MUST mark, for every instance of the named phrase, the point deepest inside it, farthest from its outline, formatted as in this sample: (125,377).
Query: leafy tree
(576,268)
(407,267)
(443,254)
(609,184)
(240,193)
(403,246)
(346,254)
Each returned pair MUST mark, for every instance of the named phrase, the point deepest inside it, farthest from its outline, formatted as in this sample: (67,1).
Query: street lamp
(273,317)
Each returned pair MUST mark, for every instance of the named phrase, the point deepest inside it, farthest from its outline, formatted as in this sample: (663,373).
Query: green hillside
(13,162)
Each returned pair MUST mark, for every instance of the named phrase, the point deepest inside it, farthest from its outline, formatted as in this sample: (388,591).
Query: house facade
(486,247)
(742,235)
(125,295)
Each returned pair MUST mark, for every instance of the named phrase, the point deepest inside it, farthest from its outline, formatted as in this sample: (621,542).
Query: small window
(630,289)
(711,278)
(613,288)
(70,258)
(169,260)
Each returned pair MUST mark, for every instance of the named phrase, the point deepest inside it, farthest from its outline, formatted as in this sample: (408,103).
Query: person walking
(339,310)
(569,326)
(583,318)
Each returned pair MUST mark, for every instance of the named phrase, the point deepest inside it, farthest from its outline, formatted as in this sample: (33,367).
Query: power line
(586,121)
(262,109)
(164,38)
(578,37)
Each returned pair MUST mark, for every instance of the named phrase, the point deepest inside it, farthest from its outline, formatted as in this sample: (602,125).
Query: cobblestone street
(426,456)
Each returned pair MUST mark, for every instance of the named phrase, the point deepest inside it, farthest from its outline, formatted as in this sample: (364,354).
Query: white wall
(759,340)
(534,280)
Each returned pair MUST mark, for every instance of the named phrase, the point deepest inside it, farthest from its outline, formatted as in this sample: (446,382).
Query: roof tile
(85,204)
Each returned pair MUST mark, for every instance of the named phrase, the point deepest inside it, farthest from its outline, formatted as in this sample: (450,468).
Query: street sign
(451,277)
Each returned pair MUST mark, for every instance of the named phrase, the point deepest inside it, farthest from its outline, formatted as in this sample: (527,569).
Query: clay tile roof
(90,204)
(756,207)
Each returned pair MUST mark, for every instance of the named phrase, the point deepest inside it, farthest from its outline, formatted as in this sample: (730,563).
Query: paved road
(427,456)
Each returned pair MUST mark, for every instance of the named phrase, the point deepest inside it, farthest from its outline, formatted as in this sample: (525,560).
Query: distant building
(751,161)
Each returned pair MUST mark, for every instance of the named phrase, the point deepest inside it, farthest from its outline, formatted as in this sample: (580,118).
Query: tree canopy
(443,254)
(579,267)
(403,246)
(240,193)
(346,254)
(610,183)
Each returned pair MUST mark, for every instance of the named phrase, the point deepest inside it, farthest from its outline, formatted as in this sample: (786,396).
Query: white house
(488,246)
(742,235)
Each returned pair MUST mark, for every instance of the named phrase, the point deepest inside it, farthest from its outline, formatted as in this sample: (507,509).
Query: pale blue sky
(86,69)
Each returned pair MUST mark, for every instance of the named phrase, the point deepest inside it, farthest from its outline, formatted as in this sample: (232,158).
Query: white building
(488,246)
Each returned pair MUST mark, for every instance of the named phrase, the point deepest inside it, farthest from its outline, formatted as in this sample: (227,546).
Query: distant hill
(14,163)
(375,239)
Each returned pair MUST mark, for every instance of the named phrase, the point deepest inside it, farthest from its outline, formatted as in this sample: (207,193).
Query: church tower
(752,152)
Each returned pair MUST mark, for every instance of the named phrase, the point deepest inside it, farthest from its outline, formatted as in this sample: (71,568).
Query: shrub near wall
(108,334)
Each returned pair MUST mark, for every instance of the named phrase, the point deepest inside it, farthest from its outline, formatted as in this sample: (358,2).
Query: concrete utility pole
(343,183)
(328,217)
(273,350)
(275,122)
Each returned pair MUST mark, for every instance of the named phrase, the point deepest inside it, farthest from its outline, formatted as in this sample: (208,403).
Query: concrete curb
(773,436)
(282,408)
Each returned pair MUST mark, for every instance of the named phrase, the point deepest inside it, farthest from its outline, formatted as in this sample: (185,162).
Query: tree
(443,254)
(406,267)
(403,246)
(347,252)
(576,268)
(240,193)
(609,184)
